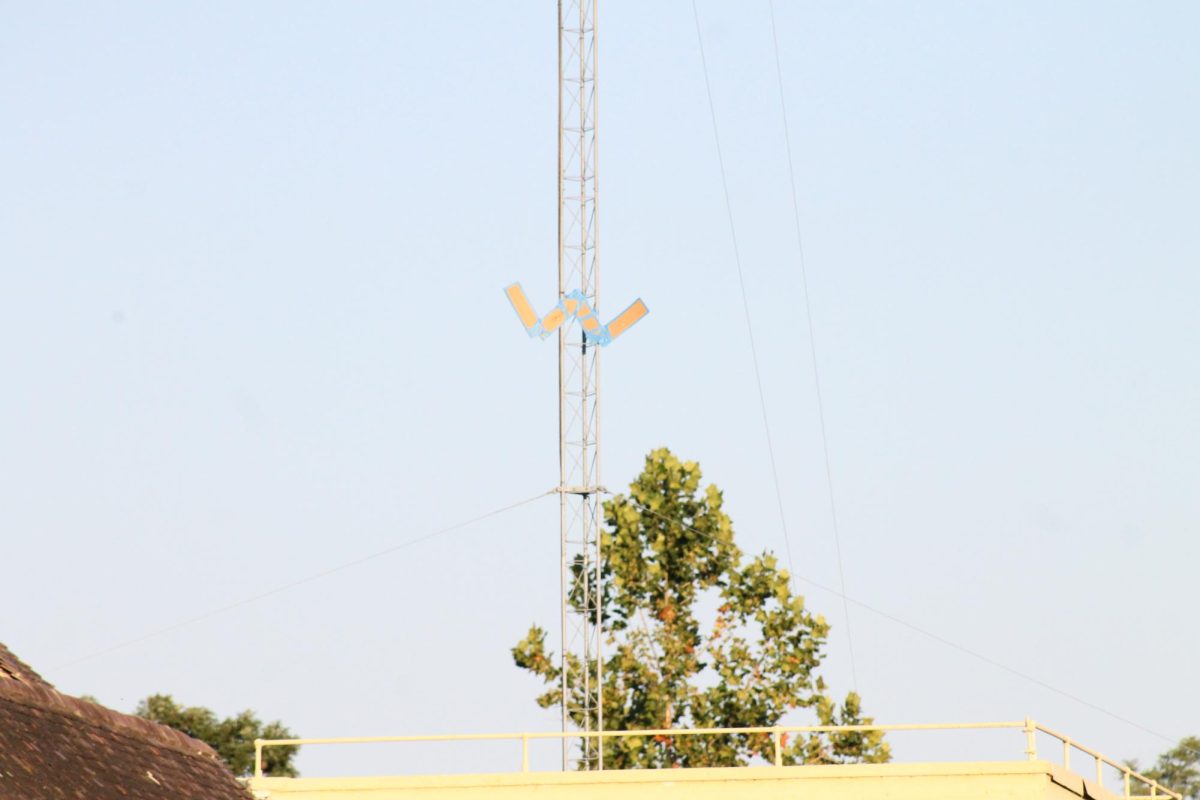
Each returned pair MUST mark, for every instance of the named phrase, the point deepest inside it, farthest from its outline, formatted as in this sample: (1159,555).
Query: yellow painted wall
(1019,780)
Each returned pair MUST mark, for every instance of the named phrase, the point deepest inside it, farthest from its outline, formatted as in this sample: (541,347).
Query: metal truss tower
(579,382)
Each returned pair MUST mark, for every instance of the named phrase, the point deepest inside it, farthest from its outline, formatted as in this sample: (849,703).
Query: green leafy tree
(232,737)
(1178,769)
(668,554)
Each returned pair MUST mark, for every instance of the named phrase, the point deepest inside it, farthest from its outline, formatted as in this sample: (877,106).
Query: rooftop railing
(1131,778)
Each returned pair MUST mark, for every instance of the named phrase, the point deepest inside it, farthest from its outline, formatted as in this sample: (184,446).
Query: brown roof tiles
(13,668)
(54,747)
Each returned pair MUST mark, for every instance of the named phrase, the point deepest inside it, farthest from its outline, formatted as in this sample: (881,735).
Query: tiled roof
(54,747)
(14,668)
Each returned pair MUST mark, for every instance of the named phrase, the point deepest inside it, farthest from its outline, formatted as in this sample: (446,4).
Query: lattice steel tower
(579,486)
(579,380)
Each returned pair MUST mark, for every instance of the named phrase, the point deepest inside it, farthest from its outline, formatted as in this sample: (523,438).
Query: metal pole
(596,379)
(564,584)
(585,428)
(1030,739)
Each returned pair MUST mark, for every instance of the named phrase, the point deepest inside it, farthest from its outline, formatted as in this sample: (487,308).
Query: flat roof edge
(686,775)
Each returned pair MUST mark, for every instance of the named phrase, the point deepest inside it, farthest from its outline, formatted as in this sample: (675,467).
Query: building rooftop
(55,746)
(1072,772)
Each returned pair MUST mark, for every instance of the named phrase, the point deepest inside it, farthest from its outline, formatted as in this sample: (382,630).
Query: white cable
(293,584)
(762,402)
(812,345)
(950,643)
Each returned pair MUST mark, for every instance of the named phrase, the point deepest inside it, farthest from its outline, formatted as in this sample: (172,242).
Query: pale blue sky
(251,326)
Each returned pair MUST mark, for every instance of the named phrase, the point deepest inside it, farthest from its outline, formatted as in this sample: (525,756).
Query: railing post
(1127,781)
(524,752)
(776,736)
(1099,772)
(1066,753)
(1030,739)
(258,745)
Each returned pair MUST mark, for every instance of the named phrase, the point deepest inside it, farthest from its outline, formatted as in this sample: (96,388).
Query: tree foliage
(696,635)
(232,737)
(1178,769)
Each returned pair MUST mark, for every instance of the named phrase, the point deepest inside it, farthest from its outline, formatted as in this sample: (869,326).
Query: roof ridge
(13,667)
(47,698)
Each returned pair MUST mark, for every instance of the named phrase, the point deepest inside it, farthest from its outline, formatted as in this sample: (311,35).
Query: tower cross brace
(579,383)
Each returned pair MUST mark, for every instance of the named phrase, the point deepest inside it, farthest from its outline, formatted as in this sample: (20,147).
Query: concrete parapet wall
(1020,780)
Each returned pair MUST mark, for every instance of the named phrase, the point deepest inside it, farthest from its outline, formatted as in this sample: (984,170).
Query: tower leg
(578,384)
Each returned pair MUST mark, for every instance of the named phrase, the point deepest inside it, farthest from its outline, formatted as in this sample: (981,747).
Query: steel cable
(298,582)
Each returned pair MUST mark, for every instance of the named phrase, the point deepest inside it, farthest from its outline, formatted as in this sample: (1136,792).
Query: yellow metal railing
(778,735)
